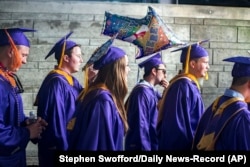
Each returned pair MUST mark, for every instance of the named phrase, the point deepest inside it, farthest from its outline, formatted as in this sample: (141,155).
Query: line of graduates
(99,117)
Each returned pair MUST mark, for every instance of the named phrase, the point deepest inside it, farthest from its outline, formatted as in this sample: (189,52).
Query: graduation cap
(192,51)
(60,47)
(102,56)
(241,66)
(16,36)
(113,54)
(99,52)
(13,37)
(151,62)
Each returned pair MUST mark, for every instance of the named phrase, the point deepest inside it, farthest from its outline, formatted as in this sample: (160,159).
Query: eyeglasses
(163,70)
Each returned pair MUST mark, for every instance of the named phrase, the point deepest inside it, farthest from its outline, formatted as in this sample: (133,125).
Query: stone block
(214,33)
(244,35)
(40,16)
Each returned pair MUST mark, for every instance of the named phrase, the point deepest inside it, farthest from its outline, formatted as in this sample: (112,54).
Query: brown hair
(113,76)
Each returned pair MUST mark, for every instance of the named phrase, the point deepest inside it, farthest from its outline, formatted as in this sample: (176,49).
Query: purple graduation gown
(182,110)
(14,137)
(56,101)
(98,125)
(235,136)
(142,115)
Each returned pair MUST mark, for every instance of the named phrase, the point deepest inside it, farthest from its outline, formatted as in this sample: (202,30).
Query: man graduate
(141,106)
(57,97)
(182,105)
(225,125)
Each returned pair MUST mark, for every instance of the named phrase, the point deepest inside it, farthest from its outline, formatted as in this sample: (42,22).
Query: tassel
(186,70)
(63,50)
(86,78)
(206,76)
(16,60)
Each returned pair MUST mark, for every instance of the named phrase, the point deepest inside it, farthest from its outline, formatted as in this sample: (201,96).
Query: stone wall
(227,28)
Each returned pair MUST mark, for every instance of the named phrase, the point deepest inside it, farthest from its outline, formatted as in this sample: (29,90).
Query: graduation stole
(176,78)
(217,123)
(68,77)
(71,123)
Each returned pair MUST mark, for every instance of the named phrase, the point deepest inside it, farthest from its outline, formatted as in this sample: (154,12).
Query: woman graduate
(100,122)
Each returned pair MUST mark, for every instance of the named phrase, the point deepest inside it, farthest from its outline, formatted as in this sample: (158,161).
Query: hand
(164,83)
(42,122)
(37,128)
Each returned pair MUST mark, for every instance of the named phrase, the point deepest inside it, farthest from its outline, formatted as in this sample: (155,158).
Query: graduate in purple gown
(141,106)
(57,97)
(100,122)
(15,128)
(225,125)
(182,106)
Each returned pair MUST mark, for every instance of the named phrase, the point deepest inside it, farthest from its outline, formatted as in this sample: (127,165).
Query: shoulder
(244,116)
(141,89)
(183,82)
(54,78)
(100,94)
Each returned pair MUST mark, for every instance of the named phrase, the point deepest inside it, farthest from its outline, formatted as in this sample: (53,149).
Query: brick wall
(227,28)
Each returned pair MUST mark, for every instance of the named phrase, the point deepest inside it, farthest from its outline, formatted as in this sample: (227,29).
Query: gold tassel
(186,70)
(86,77)
(63,50)
(206,76)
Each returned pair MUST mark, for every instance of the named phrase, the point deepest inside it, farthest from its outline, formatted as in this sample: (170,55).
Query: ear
(10,52)
(66,58)
(154,71)
(192,63)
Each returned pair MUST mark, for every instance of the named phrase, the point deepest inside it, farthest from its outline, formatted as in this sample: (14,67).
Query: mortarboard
(99,58)
(241,66)
(113,54)
(196,51)
(151,62)
(192,51)
(61,46)
(16,35)
(99,52)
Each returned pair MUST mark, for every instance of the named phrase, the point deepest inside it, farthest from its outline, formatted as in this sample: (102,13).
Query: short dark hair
(147,73)
(237,81)
(69,52)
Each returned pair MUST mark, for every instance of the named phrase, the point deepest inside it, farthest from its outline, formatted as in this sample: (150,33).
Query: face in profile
(160,73)
(200,67)
(18,58)
(75,60)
